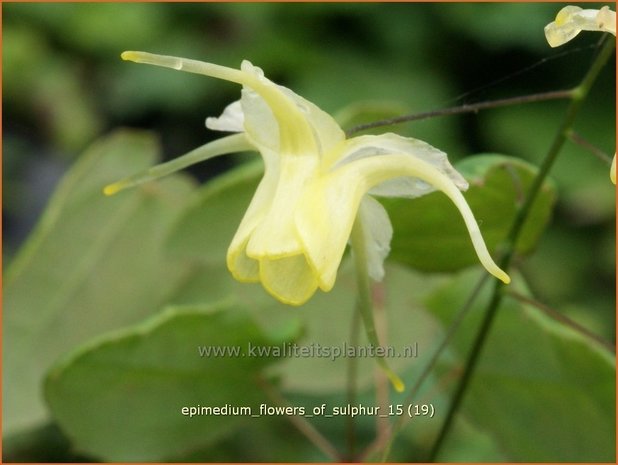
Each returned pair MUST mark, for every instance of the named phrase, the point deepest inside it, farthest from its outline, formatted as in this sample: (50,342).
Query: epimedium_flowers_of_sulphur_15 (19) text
(317,184)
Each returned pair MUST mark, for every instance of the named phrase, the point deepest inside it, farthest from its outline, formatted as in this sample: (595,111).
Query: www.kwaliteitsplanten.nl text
(313,350)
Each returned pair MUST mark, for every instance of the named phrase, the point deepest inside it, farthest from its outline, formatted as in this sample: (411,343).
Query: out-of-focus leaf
(122,398)
(267,439)
(582,178)
(430,234)
(541,391)
(47,85)
(93,263)
(471,444)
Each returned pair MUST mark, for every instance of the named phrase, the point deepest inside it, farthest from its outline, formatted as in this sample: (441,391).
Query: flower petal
(606,20)
(337,197)
(231,120)
(571,20)
(612,170)
(377,169)
(295,134)
(326,130)
(263,127)
(276,236)
(378,233)
(295,117)
(243,267)
(260,123)
(385,144)
(290,279)
(324,219)
(225,145)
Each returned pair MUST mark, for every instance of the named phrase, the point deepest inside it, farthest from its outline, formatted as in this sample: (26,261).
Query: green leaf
(581,177)
(470,444)
(541,391)
(122,398)
(430,235)
(270,440)
(93,263)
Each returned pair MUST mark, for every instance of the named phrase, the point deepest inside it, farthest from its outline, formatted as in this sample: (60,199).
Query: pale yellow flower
(570,21)
(295,230)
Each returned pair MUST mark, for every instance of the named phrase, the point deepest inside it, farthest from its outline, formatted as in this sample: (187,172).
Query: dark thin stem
(468,371)
(472,108)
(593,149)
(578,95)
(301,424)
(565,320)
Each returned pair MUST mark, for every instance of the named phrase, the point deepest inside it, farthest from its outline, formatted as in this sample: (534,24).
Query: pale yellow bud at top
(571,20)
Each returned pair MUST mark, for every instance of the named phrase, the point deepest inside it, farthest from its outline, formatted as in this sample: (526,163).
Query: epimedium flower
(570,21)
(316,183)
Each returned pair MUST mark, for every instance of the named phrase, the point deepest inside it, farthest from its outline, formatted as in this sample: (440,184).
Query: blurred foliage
(549,383)
(75,292)
(151,362)
(93,266)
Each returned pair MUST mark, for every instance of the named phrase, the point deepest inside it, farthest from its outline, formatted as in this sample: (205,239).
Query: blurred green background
(64,86)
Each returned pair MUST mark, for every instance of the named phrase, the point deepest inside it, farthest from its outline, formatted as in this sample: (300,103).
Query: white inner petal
(378,233)
(387,144)
(231,120)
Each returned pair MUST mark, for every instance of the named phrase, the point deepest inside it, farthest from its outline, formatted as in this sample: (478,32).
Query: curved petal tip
(128,56)
(502,276)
